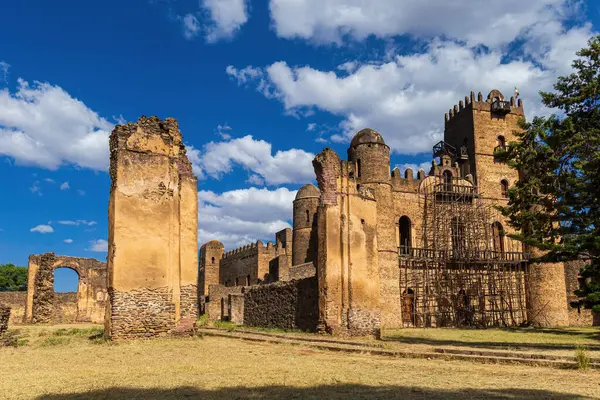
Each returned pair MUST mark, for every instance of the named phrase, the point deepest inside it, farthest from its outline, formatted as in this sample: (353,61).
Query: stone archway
(42,302)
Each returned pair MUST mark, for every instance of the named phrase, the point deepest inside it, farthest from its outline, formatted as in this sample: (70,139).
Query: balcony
(501,107)
(443,148)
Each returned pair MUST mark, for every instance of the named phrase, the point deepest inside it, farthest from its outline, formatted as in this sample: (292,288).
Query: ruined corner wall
(546,294)
(578,316)
(217,306)
(153,231)
(16,302)
(4,318)
(283,305)
(347,260)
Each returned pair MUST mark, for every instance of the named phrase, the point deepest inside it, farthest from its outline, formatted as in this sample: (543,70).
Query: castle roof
(213,244)
(367,136)
(308,191)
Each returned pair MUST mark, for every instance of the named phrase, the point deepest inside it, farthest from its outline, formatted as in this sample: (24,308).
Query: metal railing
(501,107)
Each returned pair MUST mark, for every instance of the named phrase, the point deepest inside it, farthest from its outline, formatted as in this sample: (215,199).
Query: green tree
(12,278)
(556,203)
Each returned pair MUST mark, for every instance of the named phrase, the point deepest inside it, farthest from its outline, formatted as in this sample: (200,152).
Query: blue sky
(258,88)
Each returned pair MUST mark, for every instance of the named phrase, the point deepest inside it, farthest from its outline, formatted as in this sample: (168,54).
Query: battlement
(494,103)
(407,181)
(246,249)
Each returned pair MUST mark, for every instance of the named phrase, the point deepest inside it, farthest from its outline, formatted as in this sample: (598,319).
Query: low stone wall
(236,308)
(16,301)
(141,313)
(284,305)
(302,271)
(4,317)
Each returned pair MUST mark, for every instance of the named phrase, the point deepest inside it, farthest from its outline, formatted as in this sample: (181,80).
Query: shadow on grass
(334,392)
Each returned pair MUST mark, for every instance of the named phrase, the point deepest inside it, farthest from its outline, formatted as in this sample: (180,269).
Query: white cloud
(42,125)
(35,188)
(425,166)
(78,222)
(243,216)
(4,67)
(99,245)
(191,26)
(227,17)
(64,186)
(406,98)
(475,22)
(224,131)
(42,229)
(68,240)
(256,156)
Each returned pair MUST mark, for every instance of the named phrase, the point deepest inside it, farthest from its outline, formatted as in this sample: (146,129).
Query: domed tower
(371,157)
(304,241)
(208,270)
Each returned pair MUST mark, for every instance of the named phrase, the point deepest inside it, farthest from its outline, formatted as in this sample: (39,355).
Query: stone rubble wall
(236,308)
(217,306)
(16,301)
(302,271)
(284,305)
(4,318)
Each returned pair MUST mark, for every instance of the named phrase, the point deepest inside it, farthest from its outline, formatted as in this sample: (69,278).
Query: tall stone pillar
(152,233)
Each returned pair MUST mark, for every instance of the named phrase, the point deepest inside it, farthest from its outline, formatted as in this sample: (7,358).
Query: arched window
(408,306)
(66,280)
(498,237)
(459,245)
(213,260)
(504,188)
(501,142)
(447,176)
(405,235)
(307,216)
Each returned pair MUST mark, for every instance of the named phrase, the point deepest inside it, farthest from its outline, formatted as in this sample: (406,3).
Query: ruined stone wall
(236,308)
(279,269)
(302,271)
(4,318)
(243,264)
(65,308)
(284,305)
(217,306)
(208,272)
(348,270)
(153,223)
(16,301)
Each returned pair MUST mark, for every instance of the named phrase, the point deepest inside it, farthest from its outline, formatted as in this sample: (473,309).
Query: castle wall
(546,294)
(152,254)
(16,301)
(283,305)
(348,258)
(217,307)
(578,316)
(4,318)
(251,260)
(305,232)
(208,274)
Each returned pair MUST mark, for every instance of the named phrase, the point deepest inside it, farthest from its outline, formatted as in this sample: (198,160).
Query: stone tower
(304,242)
(208,274)
(371,157)
(152,231)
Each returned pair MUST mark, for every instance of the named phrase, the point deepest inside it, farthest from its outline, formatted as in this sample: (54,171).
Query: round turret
(305,219)
(371,157)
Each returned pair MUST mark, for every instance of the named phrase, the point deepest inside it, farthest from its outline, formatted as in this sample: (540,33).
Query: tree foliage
(12,278)
(556,203)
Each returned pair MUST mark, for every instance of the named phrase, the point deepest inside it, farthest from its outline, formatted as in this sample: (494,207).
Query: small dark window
(248,280)
(504,188)
(501,142)
(405,235)
(362,222)
(447,181)
(358,168)
(237,282)
(307,216)
(213,260)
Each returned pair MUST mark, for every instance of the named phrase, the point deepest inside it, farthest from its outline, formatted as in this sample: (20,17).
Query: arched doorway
(408,307)
(405,235)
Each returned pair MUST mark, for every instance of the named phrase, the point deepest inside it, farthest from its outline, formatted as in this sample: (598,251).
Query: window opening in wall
(66,280)
(504,188)
(447,176)
(213,260)
(408,306)
(307,216)
(248,280)
(362,223)
(358,168)
(405,235)
(237,282)
(498,237)
(501,142)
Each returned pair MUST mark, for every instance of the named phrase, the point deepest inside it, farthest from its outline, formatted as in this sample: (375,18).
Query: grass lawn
(68,365)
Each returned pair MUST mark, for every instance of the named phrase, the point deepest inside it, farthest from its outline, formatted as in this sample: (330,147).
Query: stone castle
(371,248)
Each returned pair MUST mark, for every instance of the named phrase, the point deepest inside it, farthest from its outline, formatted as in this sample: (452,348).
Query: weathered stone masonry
(4,317)
(153,228)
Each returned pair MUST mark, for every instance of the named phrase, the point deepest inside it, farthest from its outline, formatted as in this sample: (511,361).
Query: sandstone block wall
(301,271)
(217,306)
(546,295)
(236,308)
(4,318)
(153,228)
(16,302)
(284,305)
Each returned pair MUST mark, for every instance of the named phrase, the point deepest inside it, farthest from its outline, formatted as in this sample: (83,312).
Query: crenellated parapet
(407,181)
(494,103)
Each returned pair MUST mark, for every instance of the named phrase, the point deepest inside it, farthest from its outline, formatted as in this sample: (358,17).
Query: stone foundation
(4,317)
(284,305)
(16,302)
(364,323)
(141,313)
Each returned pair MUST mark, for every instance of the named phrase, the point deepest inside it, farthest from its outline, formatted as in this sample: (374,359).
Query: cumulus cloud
(98,245)
(78,222)
(256,156)
(226,18)
(190,25)
(64,186)
(68,240)
(44,126)
(405,98)
(488,23)
(243,216)
(4,67)
(42,229)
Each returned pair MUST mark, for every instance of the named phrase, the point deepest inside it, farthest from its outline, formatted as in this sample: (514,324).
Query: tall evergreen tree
(556,203)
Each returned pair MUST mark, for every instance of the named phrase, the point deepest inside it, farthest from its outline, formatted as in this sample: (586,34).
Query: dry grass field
(64,363)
